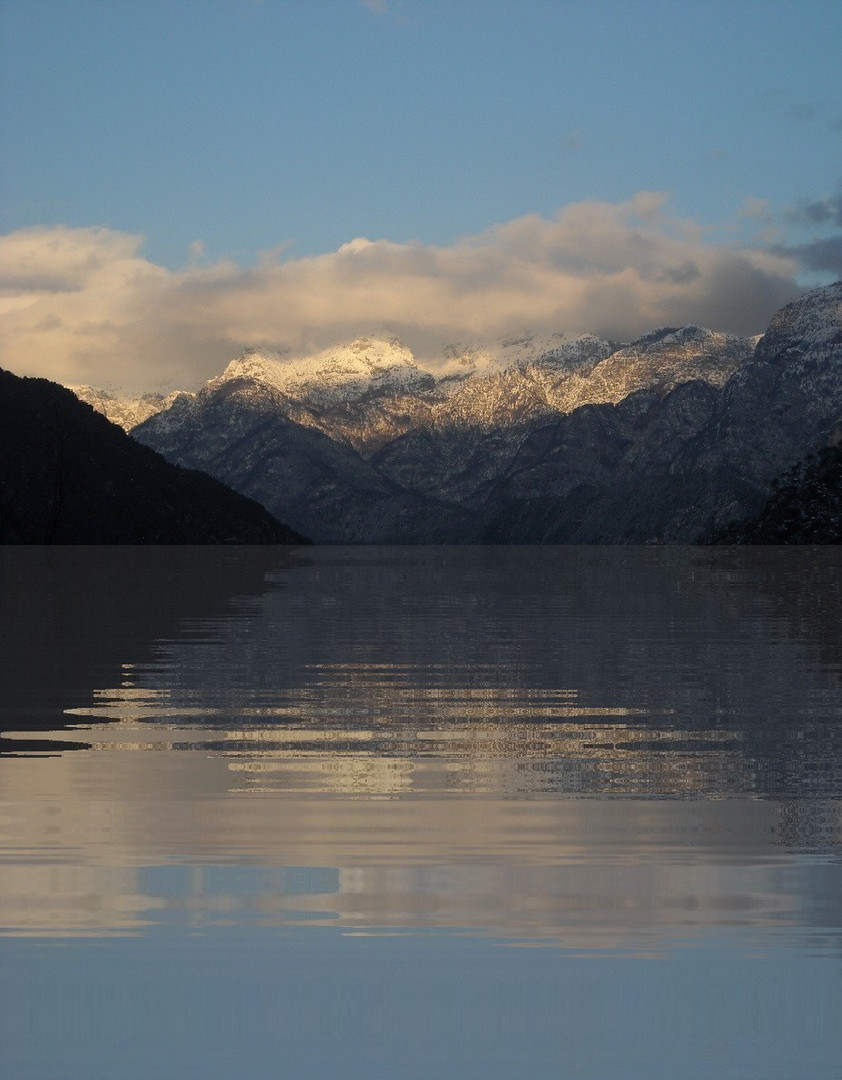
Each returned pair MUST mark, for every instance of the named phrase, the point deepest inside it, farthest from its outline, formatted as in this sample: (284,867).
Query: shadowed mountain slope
(69,476)
(805,506)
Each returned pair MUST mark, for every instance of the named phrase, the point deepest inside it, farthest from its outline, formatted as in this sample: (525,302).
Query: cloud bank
(82,305)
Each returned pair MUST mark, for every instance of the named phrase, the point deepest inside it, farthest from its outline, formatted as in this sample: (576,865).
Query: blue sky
(214,136)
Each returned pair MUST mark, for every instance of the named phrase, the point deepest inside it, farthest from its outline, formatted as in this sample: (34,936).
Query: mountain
(370,390)
(675,470)
(359,444)
(339,375)
(69,476)
(784,405)
(250,434)
(599,474)
(125,411)
(476,434)
(805,506)
(538,438)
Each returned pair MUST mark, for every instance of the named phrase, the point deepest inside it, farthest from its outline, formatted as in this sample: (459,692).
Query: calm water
(421,812)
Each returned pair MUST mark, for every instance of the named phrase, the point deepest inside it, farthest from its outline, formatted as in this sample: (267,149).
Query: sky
(181,179)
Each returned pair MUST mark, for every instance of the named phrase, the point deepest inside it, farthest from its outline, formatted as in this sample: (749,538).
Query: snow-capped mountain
(359,443)
(340,375)
(660,361)
(537,439)
(370,390)
(682,468)
(250,434)
(125,411)
(492,382)
(460,359)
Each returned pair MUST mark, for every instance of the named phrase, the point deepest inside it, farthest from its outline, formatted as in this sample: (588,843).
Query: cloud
(826,211)
(62,259)
(823,252)
(823,255)
(84,306)
(377,7)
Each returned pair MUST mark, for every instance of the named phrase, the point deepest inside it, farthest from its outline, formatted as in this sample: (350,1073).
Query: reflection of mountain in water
(688,671)
(76,618)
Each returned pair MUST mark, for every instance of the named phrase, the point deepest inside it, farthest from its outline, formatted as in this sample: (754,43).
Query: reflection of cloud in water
(117,841)
(471,756)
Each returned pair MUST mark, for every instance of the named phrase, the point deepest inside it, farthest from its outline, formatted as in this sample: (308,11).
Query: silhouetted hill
(69,476)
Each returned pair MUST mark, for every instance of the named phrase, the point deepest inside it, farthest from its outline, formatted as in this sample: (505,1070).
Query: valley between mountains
(541,439)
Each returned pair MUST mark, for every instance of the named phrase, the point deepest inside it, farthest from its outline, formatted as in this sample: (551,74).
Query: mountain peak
(125,410)
(521,351)
(255,364)
(345,372)
(810,324)
(691,336)
(527,440)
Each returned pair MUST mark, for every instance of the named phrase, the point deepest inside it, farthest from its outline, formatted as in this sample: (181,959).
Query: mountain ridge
(659,441)
(381,365)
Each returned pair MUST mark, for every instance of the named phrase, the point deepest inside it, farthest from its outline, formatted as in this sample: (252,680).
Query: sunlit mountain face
(534,439)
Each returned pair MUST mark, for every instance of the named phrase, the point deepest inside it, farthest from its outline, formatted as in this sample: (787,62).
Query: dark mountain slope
(805,506)
(775,411)
(671,470)
(601,474)
(69,476)
(239,432)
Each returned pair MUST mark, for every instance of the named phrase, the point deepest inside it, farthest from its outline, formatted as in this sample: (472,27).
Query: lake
(421,813)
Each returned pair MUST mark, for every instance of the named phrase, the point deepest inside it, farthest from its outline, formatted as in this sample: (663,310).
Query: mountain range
(536,439)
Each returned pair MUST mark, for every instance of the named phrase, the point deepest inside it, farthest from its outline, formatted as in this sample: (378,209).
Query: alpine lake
(416,813)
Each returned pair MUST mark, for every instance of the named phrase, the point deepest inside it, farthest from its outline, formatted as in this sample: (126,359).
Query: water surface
(420,812)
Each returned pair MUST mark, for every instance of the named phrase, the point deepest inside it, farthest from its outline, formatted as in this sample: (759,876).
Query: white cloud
(83,305)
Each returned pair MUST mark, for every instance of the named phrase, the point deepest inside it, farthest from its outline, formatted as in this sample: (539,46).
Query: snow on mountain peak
(253,364)
(553,370)
(341,373)
(810,323)
(125,410)
(492,358)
